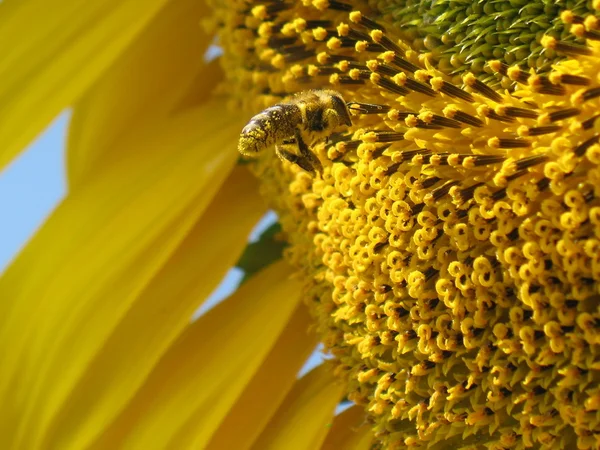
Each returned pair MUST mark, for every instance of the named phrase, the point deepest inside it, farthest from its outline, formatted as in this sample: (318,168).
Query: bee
(295,125)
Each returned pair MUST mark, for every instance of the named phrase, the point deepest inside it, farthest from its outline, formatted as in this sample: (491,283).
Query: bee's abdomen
(268,128)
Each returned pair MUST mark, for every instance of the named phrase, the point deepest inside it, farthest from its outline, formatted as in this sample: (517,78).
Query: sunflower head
(450,248)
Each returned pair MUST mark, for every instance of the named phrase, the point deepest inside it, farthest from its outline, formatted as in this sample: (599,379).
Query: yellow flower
(96,345)
(448,251)
(450,244)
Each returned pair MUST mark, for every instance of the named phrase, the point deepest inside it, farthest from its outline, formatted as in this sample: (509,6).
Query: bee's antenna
(368,108)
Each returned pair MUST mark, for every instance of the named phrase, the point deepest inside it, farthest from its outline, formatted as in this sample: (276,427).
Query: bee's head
(336,110)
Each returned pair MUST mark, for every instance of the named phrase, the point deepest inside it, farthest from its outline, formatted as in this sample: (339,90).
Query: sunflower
(447,253)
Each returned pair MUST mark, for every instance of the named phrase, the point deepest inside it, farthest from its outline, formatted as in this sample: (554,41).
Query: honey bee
(295,125)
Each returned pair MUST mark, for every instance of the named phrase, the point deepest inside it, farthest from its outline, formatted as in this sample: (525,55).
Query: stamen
(345,79)
(589,123)
(539,131)
(407,155)
(449,89)
(486,111)
(385,83)
(498,67)
(297,53)
(344,146)
(591,94)
(385,136)
(512,111)
(484,160)
(498,195)
(470,80)
(277,42)
(563,114)
(545,85)
(338,6)
(530,161)
(551,89)
(403,63)
(354,34)
(581,148)
(438,193)
(358,18)
(574,80)
(277,7)
(466,194)
(326,70)
(445,122)
(463,117)
(380,38)
(383,69)
(310,24)
(428,182)
(414,85)
(496,142)
(565,47)
(368,108)
(518,75)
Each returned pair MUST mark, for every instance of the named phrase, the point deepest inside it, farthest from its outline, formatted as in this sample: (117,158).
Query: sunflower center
(450,246)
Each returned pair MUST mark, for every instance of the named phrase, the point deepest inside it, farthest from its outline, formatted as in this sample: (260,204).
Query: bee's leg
(307,154)
(293,157)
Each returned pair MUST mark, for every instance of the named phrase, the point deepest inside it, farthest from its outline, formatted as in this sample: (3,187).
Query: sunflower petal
(350,431)
(144,83)
(79,276)
(160,313)
(202,375)
(311,403)
(269,387)
(51,51)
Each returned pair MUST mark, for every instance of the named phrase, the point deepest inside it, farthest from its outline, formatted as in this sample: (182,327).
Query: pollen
(450,247)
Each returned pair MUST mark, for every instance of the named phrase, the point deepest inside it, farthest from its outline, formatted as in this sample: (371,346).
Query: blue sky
(30,188)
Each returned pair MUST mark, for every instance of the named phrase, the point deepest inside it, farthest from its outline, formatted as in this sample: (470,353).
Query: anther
(530,161)
(518,75)
(338,6)
(368,108)
(490,113)
(581,148)
(387,84)
(470,80)
(484,160)
(445,122)
(463,117)
(449,89)
(589,123)
(360,19)
(512,111)
(388,136)
(539,131)
(403,63)
(496,142)
(563,114)
(574,80)
(438,193)
(591,94)
(565,47)
(380,38)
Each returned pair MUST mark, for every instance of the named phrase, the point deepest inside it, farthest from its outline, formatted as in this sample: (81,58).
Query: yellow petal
(159,314)
(350,431)
(81,273)
(51,51)
(306,414)
(268,389)
(145,83)
(200,378)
